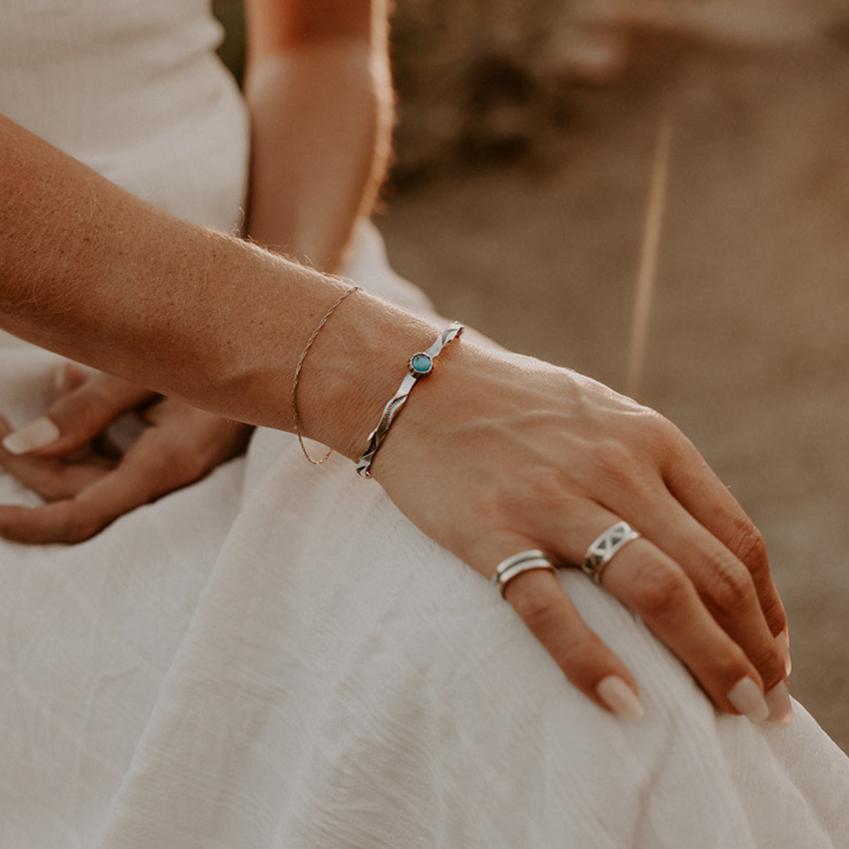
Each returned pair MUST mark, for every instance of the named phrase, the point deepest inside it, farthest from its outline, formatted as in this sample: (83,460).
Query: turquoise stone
(421,364)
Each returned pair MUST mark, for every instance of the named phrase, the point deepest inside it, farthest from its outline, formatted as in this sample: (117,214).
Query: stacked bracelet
(420,365)
(296,418)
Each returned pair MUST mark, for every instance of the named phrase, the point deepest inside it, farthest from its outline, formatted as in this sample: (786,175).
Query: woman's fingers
(695,485)
(148,471)
(656,588)
(181,446)
(586,661)
(651,584)
(78,416)
(69,375)
(728,591)
(49,478)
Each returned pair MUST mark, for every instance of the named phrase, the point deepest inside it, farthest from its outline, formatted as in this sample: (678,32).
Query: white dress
(275,658)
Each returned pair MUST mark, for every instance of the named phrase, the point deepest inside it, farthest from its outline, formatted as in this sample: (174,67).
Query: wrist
(354,367)
(442,407)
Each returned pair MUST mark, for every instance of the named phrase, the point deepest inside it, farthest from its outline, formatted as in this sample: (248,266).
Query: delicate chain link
(297,375)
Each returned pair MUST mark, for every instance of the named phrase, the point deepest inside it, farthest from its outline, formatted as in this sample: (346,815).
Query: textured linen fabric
(275,658)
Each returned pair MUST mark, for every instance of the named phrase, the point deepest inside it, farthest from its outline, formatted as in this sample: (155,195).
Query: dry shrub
(489,80)
(484,80)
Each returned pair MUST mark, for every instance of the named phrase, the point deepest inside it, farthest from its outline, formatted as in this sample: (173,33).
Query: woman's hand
(497,453)
(65,458)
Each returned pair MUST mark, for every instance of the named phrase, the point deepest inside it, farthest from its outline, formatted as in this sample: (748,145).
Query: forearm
(321,129)
(91,272)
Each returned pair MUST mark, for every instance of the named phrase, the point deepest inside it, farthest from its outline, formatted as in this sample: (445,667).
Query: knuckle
(534,494)
(184,466)
(659,429)
(672,447)
(615,464)
(731,663)
(536,481)
(83,412)
(573,651)
(194,466)
(493,505)
(774,614)
(95,397)
(730,586)
(547,488)
(178,462)
(750,546)
(770,663)
(54,488)
(660,589)
(658,436)
(584,655)
(533,603)
(80,527)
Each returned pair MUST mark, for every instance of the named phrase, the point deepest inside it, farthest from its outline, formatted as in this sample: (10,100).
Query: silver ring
(514,565)
(605,547)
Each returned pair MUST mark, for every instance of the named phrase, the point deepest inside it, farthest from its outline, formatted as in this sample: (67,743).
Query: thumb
(77,417)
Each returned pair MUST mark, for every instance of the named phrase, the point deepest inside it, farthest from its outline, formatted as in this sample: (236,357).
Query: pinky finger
(586,661)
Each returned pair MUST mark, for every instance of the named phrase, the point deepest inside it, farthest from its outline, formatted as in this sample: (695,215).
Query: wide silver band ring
(514,565)
(605,547)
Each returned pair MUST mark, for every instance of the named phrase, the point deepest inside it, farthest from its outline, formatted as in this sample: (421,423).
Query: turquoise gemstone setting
(421,364)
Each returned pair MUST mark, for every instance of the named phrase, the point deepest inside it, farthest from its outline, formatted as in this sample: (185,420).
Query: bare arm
(496,454)
(319,94)
(92,272)
(318,89)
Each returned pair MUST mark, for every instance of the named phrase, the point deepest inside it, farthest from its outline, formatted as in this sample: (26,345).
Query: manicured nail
(778,700)
(784,651)
(619,697)
(746,696)
(36,434)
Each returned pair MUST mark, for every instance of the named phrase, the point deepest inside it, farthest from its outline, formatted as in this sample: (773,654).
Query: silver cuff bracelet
(420,365)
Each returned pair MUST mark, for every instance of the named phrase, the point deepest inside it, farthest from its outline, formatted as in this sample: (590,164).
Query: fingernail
(36,434)
(778,700)
(619,697)
(784,651)
(746,696)
(59,377)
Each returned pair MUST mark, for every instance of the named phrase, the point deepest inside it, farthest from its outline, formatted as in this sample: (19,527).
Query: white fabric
(275,657)
(135,91)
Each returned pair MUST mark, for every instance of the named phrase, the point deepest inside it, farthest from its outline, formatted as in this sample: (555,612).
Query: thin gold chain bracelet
(297,375)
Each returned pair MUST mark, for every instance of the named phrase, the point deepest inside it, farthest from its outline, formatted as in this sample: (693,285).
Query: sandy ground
(748,341)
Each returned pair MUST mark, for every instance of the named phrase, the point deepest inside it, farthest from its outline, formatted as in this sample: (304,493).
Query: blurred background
(530,136)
